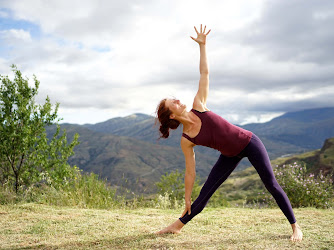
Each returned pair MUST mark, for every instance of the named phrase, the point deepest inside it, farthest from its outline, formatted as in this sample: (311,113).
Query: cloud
(121,57)
(88,22)
(294,31)
(15,37)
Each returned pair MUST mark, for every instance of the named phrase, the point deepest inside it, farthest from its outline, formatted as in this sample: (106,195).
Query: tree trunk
(16,181)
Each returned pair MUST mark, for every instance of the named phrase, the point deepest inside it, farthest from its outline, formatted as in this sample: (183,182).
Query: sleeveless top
(219,134)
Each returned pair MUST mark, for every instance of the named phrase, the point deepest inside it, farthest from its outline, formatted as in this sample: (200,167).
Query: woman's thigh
(258,157)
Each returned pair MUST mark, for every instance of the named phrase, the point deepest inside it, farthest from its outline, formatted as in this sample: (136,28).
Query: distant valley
(126,148)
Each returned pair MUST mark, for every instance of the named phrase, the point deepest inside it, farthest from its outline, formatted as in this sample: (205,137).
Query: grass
(33,226)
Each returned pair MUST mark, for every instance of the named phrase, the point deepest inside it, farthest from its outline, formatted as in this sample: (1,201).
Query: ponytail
(163,115)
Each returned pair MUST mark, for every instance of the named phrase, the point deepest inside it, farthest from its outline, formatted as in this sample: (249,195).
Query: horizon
(152,116)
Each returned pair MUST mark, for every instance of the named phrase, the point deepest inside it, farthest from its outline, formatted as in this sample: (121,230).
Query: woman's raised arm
(203,88)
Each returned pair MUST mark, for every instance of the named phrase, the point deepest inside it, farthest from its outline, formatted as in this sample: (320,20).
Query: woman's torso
(213,131)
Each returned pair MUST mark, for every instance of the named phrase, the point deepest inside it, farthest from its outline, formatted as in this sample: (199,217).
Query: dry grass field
(35,226)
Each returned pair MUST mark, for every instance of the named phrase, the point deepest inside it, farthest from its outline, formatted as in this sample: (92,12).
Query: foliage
(26,157)
(84,190)
(166,201)
(171,192)
(302,188)
(172,185)
(218,199)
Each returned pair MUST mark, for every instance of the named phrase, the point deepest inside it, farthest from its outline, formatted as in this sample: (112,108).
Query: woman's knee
(273,186)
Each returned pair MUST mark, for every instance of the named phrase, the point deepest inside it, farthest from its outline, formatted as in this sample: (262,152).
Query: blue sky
(102,59)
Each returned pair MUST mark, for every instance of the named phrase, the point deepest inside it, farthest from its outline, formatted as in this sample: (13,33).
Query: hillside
(322,159)
(138,126)
(129,147)
(293,132)
(124,161)
(247,183)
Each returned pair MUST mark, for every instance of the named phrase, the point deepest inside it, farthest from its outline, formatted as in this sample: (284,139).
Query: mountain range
(126,150)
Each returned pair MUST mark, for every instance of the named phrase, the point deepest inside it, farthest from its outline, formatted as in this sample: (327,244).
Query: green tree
(26,154)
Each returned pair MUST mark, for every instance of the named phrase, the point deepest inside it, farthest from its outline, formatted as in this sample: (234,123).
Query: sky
(108,58)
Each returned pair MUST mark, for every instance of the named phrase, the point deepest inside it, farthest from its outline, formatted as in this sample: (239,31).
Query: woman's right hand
(201,36)
(187,208)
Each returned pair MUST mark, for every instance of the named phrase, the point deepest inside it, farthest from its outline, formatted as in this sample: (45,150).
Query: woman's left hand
(201,36)
(187,209)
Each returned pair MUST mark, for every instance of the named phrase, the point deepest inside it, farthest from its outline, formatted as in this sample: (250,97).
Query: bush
(171,192)
(172,185)
(166,201)
(84,190)
(302,188)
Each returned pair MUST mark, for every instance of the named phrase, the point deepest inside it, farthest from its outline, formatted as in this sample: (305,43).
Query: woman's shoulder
(200,107)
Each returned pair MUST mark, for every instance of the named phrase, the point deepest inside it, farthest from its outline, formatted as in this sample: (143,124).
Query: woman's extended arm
(190,173)
(203,88)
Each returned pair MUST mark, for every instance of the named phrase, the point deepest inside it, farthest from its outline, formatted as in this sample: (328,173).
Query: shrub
(166,201)
(171,192)
(172,185)
(302,188)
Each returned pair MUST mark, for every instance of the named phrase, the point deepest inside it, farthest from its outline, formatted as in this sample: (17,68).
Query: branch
(21,162)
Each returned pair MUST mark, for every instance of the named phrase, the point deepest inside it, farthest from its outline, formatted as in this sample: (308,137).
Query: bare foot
(297,234)
(174,228)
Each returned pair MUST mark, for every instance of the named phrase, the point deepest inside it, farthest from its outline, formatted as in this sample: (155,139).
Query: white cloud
(14,36)
(119,57)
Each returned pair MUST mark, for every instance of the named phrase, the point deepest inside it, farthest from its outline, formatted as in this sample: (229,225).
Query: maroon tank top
(219,134)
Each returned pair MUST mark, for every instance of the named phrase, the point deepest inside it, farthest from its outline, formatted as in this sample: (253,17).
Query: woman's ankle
(295,225)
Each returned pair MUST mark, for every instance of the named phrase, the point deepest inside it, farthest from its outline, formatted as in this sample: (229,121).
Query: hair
(166,123)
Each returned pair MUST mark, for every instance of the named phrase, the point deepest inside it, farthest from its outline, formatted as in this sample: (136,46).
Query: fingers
(188,208)
(184,212)
(202,31)
(196,30)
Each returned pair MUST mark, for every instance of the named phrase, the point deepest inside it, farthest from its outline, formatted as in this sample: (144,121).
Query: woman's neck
(188,119)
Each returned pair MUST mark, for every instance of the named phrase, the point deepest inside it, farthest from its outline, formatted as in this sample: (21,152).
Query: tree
(26,155)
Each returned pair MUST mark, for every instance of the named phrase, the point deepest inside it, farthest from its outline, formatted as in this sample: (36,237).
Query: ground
(32,226)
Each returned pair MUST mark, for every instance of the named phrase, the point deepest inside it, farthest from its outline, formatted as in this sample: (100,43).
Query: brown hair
(166,123)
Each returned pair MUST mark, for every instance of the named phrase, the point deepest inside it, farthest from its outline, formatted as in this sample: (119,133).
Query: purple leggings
(258,156)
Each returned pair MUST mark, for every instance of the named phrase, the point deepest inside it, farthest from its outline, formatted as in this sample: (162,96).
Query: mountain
(127,162)
(138,126)
(309,115)
(305,129)
(129,147)
(291,133)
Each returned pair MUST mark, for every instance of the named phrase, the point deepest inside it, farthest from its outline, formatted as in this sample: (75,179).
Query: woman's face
(175,106)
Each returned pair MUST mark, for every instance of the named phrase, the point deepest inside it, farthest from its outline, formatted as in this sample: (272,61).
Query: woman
(203,127)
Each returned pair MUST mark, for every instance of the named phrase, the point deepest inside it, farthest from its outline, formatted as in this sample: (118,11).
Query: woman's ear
(172,116)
